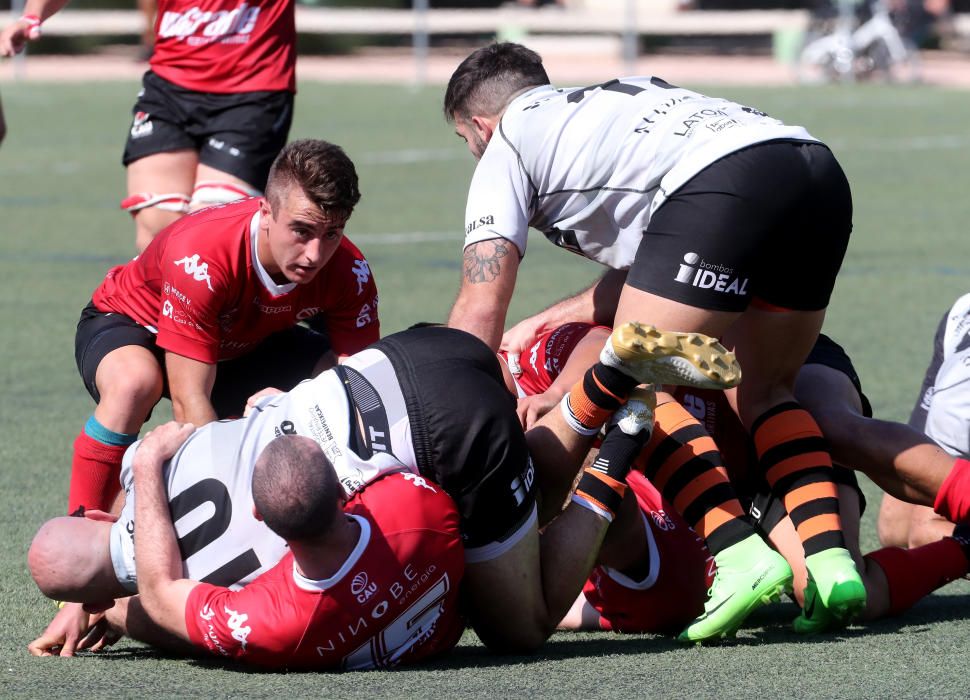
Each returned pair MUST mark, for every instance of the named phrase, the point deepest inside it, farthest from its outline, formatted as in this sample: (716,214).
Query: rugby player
(686,466)
(891,453)
(942,412)
(209,313)
(368,585)
(432,401)
(694,204)
(213,111)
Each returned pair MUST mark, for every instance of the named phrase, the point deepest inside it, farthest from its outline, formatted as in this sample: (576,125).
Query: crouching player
(367,585)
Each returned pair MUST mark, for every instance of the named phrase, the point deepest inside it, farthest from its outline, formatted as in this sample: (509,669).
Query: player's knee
(137,389)
(152,212)
(211,192)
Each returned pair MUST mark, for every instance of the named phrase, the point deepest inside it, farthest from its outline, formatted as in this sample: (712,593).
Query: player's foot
(815,617)
(749,574)
(836,583)
(637,413)
(652,356)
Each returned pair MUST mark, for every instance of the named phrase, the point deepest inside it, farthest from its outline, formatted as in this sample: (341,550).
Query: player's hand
(253,400)
(15,35)
(163,442)
(532,408)
(518,338)
(65,632)
(101,633)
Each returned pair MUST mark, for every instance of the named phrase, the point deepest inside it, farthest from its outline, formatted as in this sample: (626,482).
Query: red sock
(915,573)
(95,470)
(953,498)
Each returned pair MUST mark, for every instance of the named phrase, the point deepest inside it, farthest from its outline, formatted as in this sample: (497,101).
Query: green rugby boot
(749,574)
(652,356)
(837,586)
(815,617)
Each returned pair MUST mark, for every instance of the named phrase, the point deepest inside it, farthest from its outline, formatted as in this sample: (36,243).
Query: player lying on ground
(829,387)
(827,384)
(432,401)
(688,471)
(369,586)
(209,313)
(694,203)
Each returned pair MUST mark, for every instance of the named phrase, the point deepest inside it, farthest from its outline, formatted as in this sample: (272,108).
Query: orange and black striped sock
(684,464)
(591,401)
(794,456)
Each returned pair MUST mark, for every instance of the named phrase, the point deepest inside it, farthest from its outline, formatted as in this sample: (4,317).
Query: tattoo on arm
(482,261)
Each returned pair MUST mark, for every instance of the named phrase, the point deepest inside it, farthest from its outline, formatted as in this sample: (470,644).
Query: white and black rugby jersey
(588,166)
(357,414)
(944,403)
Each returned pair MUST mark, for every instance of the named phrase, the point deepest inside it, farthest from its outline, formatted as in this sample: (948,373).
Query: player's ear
(256,514)
(265,209)
(484,126)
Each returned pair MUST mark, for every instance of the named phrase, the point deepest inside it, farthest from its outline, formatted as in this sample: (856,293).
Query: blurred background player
(209,313)
(215,106)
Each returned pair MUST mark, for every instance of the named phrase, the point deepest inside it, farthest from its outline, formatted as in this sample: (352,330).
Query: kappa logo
(199,271)
(141,125)
(420,481)
(206,613)
(361,270)
(704,275)
(235,622)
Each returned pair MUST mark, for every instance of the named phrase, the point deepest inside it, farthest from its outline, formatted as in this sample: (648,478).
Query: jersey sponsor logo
(366,314)
(478,223)
(522,484)
(361,270)
(662,520)
(362,587)
(198,270)
(141,125)
(237,624)
(270,310)
(419,481)
(170,290)
(197,26)
(207,613)
(699,273)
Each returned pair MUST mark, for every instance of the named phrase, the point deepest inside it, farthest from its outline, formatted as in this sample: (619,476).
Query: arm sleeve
(193,296)
(350,319)
(499,198)
(245,625)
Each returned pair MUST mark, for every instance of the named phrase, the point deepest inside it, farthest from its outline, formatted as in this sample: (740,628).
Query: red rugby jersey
(198,285)
(545,357)
(681,571)
(226,46)
(394,601)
